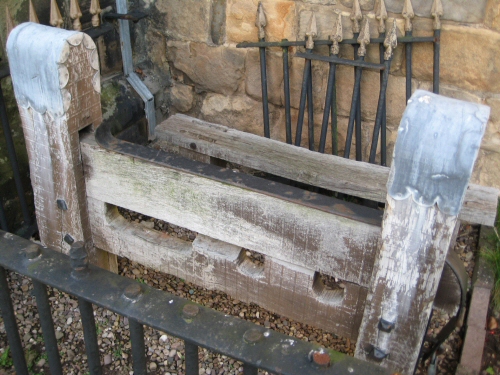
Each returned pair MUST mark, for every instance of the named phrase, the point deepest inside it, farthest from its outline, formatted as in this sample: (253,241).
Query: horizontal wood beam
(278,286)
(299,164)
(287,231)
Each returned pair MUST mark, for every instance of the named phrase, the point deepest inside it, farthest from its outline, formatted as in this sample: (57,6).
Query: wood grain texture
(327,171)
(405,280)
(287,231)
(54,107)
(278,286)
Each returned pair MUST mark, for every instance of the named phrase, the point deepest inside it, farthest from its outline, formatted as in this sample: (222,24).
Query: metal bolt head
(190,310)
(32,251)
(378,354)
(252,336)
(78,256)
(385,325)
(133,291)
(320,358)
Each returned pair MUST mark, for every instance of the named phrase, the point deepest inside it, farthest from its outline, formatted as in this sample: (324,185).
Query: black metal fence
(256,346)
(28,225)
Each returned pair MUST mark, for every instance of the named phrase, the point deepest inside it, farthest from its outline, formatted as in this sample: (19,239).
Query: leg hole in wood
(113,212)
(251,263)
(328,289)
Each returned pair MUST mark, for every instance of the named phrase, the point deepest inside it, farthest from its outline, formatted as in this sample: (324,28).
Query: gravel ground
(166,353)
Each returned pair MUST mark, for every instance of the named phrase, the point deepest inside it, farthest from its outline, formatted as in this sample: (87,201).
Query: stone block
(239,112)
(241,14)
(253,84)
(212,68)
(469,58)
(493,14)
(364,4)
(491,141)
(454,10)
(179,16)
(182,97)
(486,169)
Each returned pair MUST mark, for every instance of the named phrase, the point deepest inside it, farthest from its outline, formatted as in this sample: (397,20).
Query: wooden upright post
(55,74)
(435,152)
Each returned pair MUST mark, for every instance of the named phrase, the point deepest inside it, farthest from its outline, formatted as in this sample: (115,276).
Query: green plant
(492,256)
(490,371)
(5,359)
(118,352)
(142,281)
(98,329)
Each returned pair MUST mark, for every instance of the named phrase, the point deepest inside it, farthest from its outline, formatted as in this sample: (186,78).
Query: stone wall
(195,40)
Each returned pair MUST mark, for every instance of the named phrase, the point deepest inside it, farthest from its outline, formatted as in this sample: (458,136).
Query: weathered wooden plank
(327,171)
(217,265)
(288,231)
(429,176)
(54,107)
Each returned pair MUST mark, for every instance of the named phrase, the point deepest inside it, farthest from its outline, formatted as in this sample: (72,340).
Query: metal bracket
(134,16)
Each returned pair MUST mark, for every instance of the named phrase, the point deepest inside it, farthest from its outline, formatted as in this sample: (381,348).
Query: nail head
(32,251)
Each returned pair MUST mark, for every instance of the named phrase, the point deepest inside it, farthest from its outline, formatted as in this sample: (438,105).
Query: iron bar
(191,351)
(286,86)
(340,61)
(437,53)
(310,107)
(11,151)
(380,111)
(329,104)
(302,43)
(3,219)
(49,336)
(383,129)
(409,54)
(9,320)
(265,99)
(353,113)
(138,347)
(249,369)
(163,311)
(333,107)
(303,96)
(90,335)
(357,104)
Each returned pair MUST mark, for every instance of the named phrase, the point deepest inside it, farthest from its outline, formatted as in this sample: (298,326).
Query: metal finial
(55,15)
(356,16)
(381,16)
(32,13)
(261,21)
(364,38)
(336,38)
(437,12)
(408,14)
(9,21)
(312,31)
(95,10)
(391,41)
(75,14)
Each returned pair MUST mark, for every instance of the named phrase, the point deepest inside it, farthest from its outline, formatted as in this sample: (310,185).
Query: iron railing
(361,38)
(28,227)
(256,346)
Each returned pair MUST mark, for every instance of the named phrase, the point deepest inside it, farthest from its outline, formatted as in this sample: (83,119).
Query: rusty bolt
(133,291)
(252,336)
(386,326)
(320,358)
(190,310)
(32,251)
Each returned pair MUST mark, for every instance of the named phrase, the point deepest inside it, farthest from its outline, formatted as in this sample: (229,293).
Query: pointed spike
(381,16)
(32,13)
(261,21)
(312,31)
(336,38)
(364,37)
(356,16)
(437,12)
(391,41)
(55,15)
(75,14)
(95,10)
(408,14)
(9,21)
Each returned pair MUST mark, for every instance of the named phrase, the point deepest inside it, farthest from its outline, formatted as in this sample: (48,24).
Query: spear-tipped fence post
(437,13)
(408,15)
(381,16)
(261,22)
(32,13)
(56,19)
(9,21)
(75,14)
(95,10)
